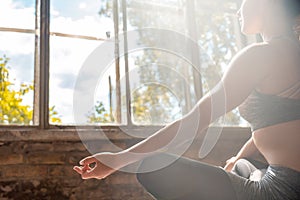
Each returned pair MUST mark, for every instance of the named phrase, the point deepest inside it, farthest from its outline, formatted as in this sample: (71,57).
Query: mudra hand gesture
(96,166)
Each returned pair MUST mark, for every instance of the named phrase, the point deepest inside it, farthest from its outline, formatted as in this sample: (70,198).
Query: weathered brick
(33,147)
(74,158)
(68,147)
(9,159)
(46,158)
(72,182)
(23,171)
(62,171)
(12,171)
(100,146)
(39,171)
(18,147)
(5,149)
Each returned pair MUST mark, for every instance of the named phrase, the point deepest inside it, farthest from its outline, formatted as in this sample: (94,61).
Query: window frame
(41,69)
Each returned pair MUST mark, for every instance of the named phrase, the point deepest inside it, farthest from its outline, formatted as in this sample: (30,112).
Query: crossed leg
(185,179)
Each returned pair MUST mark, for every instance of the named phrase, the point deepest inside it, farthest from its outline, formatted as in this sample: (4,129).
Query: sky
(67,55)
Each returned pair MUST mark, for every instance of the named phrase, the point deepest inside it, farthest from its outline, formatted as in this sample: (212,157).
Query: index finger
(88,160)
(78,169)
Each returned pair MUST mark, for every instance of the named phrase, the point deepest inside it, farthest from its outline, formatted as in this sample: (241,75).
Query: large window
(135,62)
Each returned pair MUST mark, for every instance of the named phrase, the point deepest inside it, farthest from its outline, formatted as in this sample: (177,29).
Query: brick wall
(38,165)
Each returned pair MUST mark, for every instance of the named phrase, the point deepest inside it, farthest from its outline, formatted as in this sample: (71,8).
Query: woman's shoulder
(270,58)
(273,49)
(256,54)
(255,59)
(258,49)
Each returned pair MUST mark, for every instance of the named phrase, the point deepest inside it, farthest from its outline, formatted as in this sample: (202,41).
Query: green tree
(54,116)
(218,41)
(99,114)
(152,99)
(12,107)
(215,35)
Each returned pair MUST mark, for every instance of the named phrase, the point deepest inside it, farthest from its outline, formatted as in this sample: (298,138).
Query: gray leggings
(187,179)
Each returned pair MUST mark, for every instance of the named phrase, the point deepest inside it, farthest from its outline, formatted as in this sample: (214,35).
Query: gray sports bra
(262,110)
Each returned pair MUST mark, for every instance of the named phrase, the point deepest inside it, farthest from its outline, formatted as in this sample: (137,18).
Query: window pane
(162,88)
(78,29)
(164,14)
(211,24)
(79,17)
(219,38)
(17,14)
(16,62)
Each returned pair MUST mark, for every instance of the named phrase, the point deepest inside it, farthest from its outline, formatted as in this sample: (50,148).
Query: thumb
(88,160)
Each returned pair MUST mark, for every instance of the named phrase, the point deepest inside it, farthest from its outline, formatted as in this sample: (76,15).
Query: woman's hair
(296,27)
(293,11)
(292,7)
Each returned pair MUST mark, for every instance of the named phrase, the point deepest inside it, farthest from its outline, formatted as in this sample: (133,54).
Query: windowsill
(9,134)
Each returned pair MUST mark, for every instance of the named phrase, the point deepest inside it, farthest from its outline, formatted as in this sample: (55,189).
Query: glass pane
(17,14)
(212,25)
(219,38)
(79,17)
(164,14)
(161,82)
(16,62)
(161,91)
(78,29)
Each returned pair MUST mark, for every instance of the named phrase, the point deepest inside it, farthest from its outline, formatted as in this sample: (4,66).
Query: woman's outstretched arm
(246,71)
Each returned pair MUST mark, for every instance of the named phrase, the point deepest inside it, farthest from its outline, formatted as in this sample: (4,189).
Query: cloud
(88,25)
(82,5)
(17,43)
(16,15)
(67,80)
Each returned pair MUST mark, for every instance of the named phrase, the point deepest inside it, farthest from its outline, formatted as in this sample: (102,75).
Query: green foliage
(12,107)
(99,114)
(54,116)
(216,37)
(105,8)
(12,110)
(154,104)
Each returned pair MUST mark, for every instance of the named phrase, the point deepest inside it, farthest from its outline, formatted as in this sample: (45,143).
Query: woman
(269,99)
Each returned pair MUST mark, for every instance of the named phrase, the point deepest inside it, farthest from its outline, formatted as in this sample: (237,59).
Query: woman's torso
(280,143)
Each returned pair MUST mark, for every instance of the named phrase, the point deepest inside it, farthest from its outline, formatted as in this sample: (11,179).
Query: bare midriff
(280,144)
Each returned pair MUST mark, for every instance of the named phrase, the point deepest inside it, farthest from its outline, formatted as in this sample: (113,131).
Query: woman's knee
(243,168)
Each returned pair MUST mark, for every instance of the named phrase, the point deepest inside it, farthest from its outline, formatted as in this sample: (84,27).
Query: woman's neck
(270,37)
(277,28)
(277,24)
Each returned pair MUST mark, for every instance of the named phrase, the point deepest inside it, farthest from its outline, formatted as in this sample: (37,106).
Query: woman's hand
(230,163)
(96,166)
